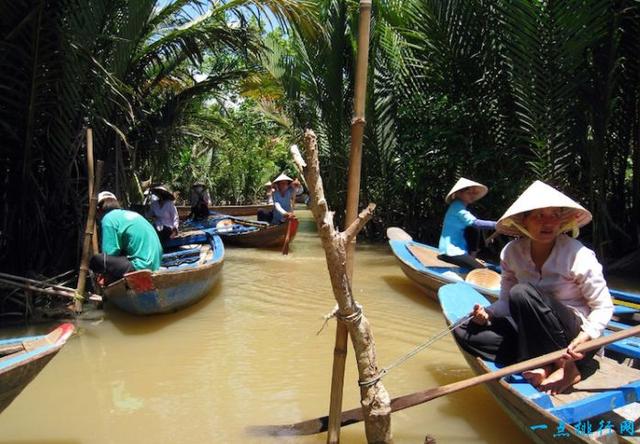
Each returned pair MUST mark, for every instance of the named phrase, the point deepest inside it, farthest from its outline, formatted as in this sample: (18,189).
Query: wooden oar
(292,228)
(319,425)
(397,233)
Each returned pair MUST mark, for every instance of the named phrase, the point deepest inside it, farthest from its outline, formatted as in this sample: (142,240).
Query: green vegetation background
(499,91)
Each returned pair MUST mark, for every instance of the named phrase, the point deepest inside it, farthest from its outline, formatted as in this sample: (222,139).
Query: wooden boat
(187,274)
(232,210)
(598,405)
(248,233)
(21,359)
(420,263)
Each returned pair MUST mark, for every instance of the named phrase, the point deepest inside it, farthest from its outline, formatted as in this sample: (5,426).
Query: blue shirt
(456,219)
(284,202)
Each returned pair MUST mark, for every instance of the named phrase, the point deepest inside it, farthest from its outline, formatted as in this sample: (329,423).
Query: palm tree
(124,67)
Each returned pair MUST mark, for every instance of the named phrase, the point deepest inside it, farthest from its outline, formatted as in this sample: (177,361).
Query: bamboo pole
(353,192)
(90,179)
(88,234)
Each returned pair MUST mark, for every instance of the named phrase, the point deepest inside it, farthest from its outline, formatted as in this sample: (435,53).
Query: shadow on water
(482,412)
(131,324)
(403,286)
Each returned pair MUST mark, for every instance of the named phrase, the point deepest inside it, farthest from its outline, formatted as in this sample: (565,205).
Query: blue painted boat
(21,359)
(420,263)
(601,408)
(187,275)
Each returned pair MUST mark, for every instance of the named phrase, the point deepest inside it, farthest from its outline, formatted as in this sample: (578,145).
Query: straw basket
(483,277)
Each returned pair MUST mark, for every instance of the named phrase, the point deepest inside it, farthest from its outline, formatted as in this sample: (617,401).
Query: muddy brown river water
(249,354)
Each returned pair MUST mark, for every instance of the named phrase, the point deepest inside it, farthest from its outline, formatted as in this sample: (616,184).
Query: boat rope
(335,313)
(415,351)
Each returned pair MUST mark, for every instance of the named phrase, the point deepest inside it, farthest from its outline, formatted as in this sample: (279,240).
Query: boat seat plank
(625,296)
(620,310)
(628,347)
(597,404)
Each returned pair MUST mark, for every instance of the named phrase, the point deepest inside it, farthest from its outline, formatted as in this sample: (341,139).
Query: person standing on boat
(460,237)
(129,241)
(553,294)
(164,213)
(285,191)
(199,201)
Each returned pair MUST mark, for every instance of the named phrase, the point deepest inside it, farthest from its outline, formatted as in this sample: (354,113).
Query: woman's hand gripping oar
(319,425)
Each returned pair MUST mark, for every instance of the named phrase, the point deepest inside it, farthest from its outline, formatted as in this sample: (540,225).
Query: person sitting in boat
(129,241)
(460,237)
(164,213)
(268,189)
(553,294)
(200,201)
(286,189)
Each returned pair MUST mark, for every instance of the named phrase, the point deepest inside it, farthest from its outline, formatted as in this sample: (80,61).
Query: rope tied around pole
(352,318)
(412,353)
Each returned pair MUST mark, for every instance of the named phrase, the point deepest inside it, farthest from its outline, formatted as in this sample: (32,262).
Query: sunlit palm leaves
(124,67)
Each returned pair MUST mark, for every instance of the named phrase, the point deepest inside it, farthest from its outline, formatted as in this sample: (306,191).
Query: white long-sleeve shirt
(165,215)
(571,274)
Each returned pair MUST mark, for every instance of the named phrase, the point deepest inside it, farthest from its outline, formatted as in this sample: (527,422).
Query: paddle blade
(397,233)
(292,228)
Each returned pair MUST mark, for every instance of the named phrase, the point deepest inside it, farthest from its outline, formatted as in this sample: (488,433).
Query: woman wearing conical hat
(553,294)
(164,213)
(460,237)
(285,190)
(199,201)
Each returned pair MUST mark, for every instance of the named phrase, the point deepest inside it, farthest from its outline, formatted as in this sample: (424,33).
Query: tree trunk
(374,397)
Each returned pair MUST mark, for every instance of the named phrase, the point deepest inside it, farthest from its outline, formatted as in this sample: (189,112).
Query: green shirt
(125,233)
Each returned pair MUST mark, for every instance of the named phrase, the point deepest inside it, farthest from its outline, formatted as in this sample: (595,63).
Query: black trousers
(462,260)
(164,234)
(265,216)
(539,324)
(200,210)
(473,236)
(112,267)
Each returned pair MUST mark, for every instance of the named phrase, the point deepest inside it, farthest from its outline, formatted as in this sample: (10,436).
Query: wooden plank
(428,257)
(597,404)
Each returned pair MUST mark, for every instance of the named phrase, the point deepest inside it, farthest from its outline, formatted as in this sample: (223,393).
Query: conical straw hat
(463,183)
(161,190)
(282,177)
(541,195)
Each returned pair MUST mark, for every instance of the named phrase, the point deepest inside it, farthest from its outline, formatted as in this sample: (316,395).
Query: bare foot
(537,375)
(561,379)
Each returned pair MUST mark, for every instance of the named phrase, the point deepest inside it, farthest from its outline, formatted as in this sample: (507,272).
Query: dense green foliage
(500,91)
(130,70)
